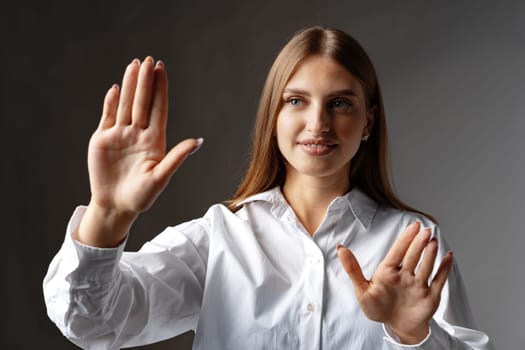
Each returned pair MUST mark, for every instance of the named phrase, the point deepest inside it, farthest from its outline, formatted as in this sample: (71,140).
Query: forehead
(323,74)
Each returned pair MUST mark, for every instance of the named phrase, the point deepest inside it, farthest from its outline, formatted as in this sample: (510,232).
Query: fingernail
(116,87)
(339,246)
(200,140)
(135,61)
(160,63)
(149,59)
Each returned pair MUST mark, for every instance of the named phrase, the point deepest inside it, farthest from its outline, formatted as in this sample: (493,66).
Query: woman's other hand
(399,293)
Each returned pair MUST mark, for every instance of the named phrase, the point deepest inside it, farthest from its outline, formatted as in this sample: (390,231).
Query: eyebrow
(343,92)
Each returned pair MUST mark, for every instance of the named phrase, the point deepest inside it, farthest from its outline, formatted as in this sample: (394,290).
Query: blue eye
(294,101)
(341,104)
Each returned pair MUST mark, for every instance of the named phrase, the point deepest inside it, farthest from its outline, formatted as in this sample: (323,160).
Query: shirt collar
(272,195)
(362,207)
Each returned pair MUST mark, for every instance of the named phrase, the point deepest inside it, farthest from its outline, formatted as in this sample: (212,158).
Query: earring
(365,138)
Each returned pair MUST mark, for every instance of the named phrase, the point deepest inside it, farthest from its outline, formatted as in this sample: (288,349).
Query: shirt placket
(312,303)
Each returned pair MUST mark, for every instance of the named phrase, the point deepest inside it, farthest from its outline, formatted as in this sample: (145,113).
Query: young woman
(314,251)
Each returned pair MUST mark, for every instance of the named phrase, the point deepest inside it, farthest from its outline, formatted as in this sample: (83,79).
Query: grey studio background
(454,88)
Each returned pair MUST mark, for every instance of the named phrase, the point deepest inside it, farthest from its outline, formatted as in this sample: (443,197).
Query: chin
(320,172)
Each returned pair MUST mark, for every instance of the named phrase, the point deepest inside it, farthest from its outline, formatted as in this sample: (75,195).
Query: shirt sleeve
(105,298)
(453,326)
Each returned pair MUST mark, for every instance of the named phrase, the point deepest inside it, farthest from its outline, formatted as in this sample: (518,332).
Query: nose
(318,120)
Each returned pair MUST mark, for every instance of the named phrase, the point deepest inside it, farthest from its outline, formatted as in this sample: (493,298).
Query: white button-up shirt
(254,279)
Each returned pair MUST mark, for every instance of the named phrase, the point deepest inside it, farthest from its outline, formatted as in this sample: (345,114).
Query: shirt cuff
(394,340)
(94,263)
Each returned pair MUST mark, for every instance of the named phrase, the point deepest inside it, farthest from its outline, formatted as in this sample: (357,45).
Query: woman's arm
(99,296)
(104,298)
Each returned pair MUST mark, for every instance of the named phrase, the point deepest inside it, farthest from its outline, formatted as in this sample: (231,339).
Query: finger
(175,157)
(109,111)
(427,264)
(159,105)
(415,250)
(396,254)
(442,274)
(129,84)
(142,101)
(352,268)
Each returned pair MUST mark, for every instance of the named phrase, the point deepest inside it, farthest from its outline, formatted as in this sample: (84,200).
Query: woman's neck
(309,197)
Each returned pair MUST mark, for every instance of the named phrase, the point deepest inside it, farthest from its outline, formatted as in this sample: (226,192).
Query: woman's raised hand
(127,159)
(399,293)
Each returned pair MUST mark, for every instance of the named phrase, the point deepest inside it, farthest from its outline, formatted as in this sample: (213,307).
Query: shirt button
(310,307)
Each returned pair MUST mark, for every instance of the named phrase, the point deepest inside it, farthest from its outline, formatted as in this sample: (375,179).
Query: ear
(370,118)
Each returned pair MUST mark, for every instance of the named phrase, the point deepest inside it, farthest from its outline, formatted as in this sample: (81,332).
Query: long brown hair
(368,169)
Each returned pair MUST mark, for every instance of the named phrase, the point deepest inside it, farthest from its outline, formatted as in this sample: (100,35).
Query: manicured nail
(200,140)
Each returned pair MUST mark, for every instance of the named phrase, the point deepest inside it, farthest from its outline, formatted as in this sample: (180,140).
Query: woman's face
(322,120)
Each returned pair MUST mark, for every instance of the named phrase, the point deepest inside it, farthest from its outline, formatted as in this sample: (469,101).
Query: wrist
(104,227)
(409,337)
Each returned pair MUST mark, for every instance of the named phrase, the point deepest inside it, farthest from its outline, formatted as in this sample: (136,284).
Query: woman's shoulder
(386,213)
(401,218)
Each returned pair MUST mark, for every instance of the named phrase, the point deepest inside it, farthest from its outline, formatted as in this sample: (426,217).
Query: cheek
(279,133)
(285,129)
(349,129)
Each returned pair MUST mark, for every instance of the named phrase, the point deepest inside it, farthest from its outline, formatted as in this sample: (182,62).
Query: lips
(317,147)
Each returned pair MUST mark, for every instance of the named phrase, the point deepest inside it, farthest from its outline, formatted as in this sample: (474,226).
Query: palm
(121,160)
(128,164)
(394,297)
(398,294)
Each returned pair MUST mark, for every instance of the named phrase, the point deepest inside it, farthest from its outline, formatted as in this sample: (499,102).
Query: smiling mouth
(320,147)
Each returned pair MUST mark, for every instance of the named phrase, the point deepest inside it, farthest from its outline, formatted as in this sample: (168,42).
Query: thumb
(175,157)
(353,269)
